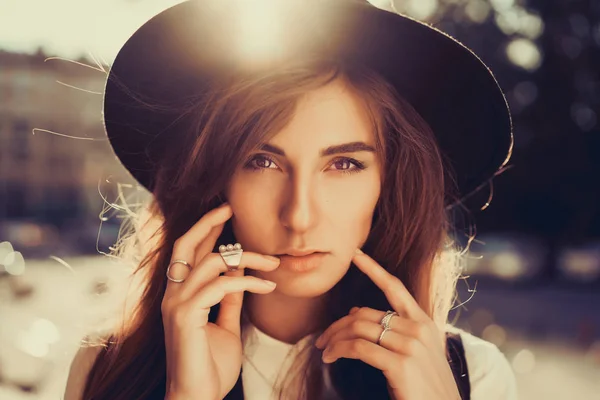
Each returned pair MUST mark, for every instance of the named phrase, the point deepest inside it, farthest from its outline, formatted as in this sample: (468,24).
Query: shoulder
(80,367)
(490,373)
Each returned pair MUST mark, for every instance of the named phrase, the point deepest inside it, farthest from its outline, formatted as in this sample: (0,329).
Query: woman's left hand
(411,355)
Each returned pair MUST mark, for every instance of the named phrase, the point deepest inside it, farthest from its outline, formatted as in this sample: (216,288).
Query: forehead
(330,115)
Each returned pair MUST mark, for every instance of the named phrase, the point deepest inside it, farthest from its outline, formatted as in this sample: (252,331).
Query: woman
(302,193)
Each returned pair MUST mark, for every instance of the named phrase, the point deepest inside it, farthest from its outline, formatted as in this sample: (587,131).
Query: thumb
(230,309)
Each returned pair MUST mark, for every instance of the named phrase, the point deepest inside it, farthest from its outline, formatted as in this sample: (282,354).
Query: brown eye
(260,163)
(342,164)
(347,165)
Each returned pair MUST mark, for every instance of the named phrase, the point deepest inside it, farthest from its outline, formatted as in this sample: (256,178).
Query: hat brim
(178,52)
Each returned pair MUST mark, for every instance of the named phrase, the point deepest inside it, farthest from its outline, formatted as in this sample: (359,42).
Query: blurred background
(533,285)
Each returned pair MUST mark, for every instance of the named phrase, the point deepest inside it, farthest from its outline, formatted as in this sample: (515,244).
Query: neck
(284,318)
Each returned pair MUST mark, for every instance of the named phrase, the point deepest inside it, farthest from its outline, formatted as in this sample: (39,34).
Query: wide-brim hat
(180,52)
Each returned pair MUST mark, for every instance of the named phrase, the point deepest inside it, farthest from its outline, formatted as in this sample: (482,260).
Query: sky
(72,28)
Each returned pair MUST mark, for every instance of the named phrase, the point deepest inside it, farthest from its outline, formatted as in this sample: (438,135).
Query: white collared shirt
(490,374)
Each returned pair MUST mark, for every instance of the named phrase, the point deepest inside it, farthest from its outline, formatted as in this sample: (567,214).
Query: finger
(343,323)
(217,290)
(185,247)
(213,264)
(332,329)
(400,341)
(207,245)
(370,314)
(361,349)
(230,310)
(397,323)
(399,297)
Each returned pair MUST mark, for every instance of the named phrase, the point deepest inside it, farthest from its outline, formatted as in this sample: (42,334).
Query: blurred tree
(546,56)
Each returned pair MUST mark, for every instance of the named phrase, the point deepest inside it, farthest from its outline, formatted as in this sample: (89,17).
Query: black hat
(179,52)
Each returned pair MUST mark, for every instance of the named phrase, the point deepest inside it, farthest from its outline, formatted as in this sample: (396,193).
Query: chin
(306,285)
(303,289)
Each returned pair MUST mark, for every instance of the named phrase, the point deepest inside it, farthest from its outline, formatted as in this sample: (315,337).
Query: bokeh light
(14,263)
(508,265)
(524,53)
(524,361)
(584,116)
(5,249)
(478,10)
(36,340)
(580,264)
(571,46)
(494,334)
(580,25)
(502,5)
(383,4)
(525,93)
(420,9)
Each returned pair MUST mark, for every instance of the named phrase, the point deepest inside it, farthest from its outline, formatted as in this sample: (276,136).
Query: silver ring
(385,321)
(177,262)
(381,335)
(232,255)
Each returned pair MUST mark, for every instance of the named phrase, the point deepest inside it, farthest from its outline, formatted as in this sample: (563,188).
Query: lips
(298,253)
(303,263)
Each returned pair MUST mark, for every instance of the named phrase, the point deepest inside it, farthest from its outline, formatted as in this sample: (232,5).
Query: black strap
(458,364)
(237,393)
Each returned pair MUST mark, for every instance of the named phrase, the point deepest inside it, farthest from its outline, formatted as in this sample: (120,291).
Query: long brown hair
(410,232)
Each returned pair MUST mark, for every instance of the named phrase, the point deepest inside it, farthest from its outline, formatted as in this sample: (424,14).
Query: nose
(299,209)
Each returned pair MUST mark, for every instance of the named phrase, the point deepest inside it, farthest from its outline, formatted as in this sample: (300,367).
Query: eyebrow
(351,147)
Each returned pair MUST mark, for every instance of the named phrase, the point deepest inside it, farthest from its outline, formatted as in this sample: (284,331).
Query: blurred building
(50,177)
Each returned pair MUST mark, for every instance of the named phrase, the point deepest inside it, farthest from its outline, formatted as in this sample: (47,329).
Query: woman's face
(313,187)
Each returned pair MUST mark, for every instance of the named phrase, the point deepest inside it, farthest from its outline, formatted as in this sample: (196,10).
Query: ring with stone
(385,321)
(232,255)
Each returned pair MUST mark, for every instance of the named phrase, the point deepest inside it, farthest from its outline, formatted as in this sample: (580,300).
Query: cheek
(351,208)
(253,206)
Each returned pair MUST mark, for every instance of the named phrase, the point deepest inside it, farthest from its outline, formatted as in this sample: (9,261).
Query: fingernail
(269,283)
(271,258)
(318,342)
(328,359)
(359,251)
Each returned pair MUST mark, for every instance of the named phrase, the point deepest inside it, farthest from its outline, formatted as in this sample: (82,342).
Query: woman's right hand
(203,358)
